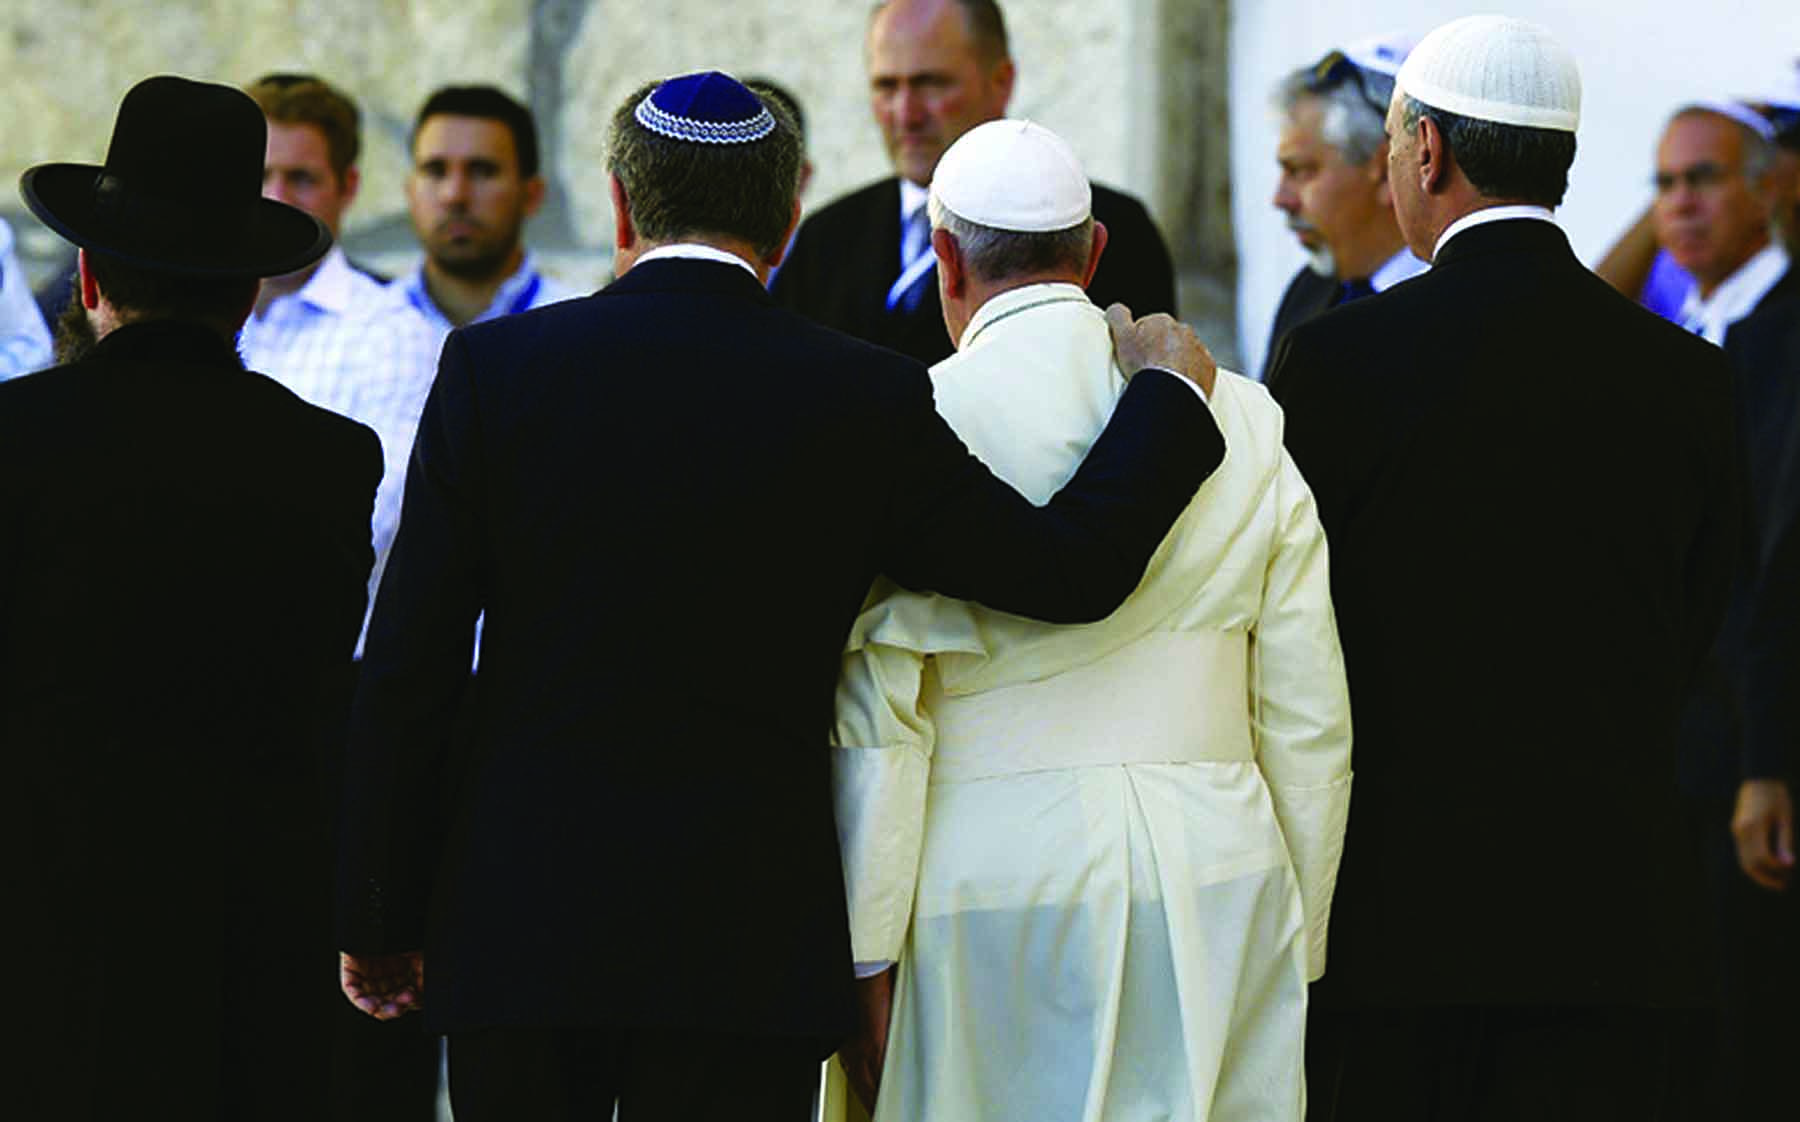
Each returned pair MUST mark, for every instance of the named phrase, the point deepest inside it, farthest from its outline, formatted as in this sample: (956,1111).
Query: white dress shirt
(1736,296)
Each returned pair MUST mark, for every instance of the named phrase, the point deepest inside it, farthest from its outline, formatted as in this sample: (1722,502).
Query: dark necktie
(1353,290)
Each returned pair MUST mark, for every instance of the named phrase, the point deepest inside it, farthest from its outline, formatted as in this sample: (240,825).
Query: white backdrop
(1639,59)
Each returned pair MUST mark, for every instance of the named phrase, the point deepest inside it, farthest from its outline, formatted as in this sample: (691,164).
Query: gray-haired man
(1333,186)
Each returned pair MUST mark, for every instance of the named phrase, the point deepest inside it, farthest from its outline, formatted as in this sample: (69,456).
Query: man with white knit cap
(1102,855)
(1529,487)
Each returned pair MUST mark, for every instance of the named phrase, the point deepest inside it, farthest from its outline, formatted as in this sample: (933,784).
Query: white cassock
(1102,855)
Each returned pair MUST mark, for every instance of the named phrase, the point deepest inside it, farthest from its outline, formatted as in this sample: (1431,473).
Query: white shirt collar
(516,293)
(1490,214)
(912,197)
(331,288)
(1401,266)
(693,251)
(1736,297)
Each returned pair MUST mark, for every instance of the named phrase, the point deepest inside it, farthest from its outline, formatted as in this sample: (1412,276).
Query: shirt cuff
(870,969)
(1188,382)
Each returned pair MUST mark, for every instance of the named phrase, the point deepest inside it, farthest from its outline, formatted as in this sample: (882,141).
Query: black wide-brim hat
(181,189)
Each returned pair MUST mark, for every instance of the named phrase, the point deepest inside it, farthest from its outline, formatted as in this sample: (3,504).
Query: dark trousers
(1758,940)
(1468,1064)
(382,1071)
(578,1075)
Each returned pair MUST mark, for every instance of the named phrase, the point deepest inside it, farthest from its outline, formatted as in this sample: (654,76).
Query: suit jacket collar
(691,276)
(168,340)
(1510,235)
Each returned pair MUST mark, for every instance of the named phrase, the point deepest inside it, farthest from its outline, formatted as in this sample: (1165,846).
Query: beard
(1319,257)
(75,336)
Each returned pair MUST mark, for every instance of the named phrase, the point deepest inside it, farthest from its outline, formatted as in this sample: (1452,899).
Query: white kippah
(1496,68)
(1013,175)
(1381,54)
(1742,114)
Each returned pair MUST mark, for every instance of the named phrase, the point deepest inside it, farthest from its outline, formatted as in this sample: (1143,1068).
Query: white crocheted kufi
(1496,68)
(1013,175)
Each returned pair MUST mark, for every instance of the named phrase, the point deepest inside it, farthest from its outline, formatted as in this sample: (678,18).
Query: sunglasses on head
(1334,70)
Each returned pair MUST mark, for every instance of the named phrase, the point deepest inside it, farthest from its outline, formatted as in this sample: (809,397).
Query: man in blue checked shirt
(474,182)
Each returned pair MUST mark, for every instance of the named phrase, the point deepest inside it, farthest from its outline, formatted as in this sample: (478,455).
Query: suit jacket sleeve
(415,667)
(956,529)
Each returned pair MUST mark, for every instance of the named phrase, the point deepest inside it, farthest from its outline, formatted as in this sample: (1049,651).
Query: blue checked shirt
(24,340)
(346,343)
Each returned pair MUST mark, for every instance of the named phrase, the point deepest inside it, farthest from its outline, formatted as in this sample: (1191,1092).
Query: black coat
(1716,756)
(1769,342)
(1529,488)
(1308,294)
(184,554)
(847,255)
(670,498)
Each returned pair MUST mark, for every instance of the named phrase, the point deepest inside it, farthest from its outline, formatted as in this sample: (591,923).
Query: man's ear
(90,288)
(348,183)
(624,234)
(1434,157)
(952,273)
(1100,236)
(534,195)
(787,238)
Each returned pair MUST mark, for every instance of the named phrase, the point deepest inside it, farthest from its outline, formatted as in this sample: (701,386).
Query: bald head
(937,68)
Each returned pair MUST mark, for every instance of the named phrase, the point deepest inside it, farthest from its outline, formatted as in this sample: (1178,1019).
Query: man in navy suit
(938,68)
(666,497)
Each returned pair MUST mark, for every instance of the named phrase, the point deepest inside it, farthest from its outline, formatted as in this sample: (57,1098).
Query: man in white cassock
(1102,856)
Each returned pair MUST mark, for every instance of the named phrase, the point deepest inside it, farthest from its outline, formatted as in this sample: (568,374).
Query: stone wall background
(1137,86)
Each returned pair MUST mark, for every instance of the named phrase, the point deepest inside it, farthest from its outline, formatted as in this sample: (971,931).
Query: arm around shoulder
(953,527)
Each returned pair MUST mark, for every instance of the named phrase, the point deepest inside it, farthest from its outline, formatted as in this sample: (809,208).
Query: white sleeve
(880,769)
(1301,703)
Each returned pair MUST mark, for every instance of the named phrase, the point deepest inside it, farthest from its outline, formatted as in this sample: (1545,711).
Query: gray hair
(998,255)
(1349,120)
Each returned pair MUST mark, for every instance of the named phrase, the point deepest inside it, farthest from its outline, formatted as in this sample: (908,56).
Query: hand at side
(384,986)
(863,1054)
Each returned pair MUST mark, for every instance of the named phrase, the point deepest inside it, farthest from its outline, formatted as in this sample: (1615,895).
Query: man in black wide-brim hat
(184,548)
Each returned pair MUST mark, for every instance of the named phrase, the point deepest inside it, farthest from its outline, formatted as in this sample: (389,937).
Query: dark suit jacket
(1307,295)
(847,255)
(671,498)
(1716,756)
(184,551)
(1769,342)
(1528,485)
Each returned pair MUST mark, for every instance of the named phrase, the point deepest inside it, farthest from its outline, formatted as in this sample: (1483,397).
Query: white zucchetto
(1496,68)
(1013,175)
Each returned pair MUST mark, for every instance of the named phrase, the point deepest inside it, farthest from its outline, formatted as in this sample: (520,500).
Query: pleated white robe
(1102,855)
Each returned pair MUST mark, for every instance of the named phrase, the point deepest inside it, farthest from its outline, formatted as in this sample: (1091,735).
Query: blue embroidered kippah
(709,108)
